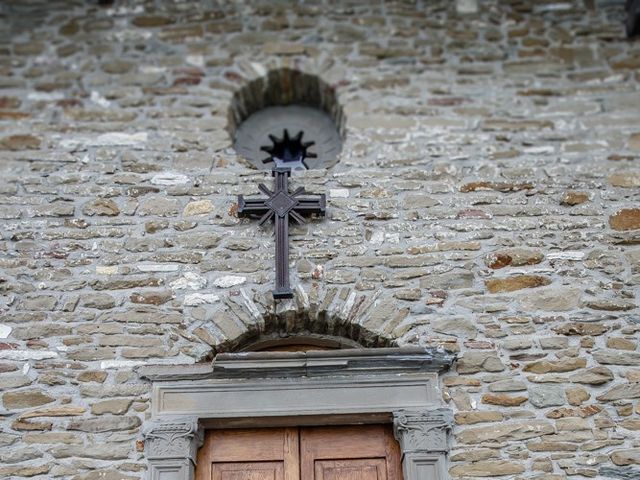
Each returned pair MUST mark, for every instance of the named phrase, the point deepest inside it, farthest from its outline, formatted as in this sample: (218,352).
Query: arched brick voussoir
(244,316)
(277,81)
(255,67)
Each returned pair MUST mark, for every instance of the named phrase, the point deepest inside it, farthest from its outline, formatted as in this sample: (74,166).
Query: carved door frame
(268,389)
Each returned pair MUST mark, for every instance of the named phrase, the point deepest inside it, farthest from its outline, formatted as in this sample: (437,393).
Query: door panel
(248,471)
(365,452)
(260,444)
(367,469)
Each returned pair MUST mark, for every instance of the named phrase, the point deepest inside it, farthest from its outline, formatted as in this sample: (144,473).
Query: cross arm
(307,206)
(251,206)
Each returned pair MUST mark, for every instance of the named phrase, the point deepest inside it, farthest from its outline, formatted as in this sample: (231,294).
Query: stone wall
(486,201)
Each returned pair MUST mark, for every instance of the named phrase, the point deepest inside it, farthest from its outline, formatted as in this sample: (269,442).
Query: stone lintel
(270,397)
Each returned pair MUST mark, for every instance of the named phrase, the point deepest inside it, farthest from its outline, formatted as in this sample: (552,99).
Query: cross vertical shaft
(283,288)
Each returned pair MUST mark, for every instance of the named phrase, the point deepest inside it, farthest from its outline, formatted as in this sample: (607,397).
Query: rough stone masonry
(486,201)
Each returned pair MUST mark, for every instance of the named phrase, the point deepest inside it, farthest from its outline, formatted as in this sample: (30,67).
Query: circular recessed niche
(287,119)
(295,136)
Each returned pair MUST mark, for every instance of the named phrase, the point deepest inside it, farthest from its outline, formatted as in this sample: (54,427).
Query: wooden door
(311,453)
(259,454)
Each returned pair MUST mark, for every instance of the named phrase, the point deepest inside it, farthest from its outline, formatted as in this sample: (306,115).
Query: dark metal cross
(282,205)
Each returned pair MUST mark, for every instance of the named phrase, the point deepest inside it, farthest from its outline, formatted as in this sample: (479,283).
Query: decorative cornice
(375,361)
(422,431)
(176,438)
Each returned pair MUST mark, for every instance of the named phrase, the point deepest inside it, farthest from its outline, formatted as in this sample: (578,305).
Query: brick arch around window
(277,101)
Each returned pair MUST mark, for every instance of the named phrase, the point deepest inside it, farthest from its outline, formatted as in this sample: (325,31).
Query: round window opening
(287,119)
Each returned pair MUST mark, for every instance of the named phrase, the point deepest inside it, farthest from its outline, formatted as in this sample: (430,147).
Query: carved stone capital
(176,438)
(422,431)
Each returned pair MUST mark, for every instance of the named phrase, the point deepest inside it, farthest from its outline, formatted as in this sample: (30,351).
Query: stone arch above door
(360,318)
(338,387)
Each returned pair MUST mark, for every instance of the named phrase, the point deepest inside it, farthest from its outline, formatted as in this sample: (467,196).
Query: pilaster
(423,438)
(171,447)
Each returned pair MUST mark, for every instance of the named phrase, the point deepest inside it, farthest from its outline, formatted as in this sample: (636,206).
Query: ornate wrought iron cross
(282,205)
